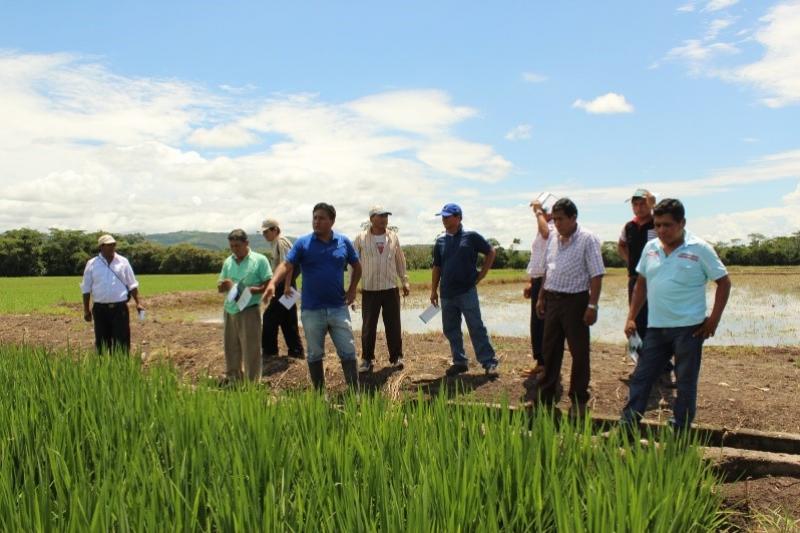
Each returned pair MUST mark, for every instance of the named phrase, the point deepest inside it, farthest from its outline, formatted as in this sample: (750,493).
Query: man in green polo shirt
(243,278)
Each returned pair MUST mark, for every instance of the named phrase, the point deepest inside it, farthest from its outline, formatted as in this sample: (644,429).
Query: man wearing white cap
(276,315)
(109,282)
(382,263)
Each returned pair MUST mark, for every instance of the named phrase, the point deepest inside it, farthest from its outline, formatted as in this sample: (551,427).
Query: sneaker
(491,369)
(455,370)
(399,363)
(365,366)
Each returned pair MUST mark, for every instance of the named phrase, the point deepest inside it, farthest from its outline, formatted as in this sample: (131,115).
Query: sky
(164,116)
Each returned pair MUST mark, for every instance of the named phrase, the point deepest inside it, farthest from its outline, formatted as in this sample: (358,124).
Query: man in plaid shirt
(568,302)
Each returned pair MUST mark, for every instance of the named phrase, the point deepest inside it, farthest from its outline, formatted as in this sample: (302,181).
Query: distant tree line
(28,252)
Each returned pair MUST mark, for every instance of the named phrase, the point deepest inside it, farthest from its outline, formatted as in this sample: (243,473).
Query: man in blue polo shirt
(673,272)
(323,256)
(454,267)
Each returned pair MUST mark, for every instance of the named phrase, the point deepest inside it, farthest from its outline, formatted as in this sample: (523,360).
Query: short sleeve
(481,244)
(265,272)
(712,265)
(437,254)
(594,257)
(641,266)
(623,237)
(295,255)
(352,255)
(86,283)
(130,277)
(223,274)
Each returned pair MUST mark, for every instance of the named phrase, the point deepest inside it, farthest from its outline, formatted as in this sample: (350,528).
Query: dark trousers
(277,316)
(372,303)
(112,329)
(537,324)
(564,320)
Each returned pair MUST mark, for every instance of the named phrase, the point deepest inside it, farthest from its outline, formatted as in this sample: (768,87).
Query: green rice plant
(94,443)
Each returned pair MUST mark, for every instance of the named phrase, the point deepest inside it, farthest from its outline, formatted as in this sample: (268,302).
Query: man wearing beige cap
(276,315)
(109,282)
(382,263)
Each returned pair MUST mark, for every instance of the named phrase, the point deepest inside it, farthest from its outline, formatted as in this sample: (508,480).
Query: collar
(639,222)
(458,231)
(334,237)
(250,251)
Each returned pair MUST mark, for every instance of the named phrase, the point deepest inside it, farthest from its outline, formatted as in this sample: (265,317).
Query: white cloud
(688,7)
(717,5)
(533,77)
(777,73)
(83,147)
(519,133)
(608,103)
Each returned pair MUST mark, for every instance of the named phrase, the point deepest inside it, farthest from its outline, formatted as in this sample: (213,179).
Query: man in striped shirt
(568,302)
(382,263)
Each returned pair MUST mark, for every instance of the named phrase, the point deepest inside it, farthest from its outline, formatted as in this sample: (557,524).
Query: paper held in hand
(244,299)
(634,343)
(429,313)
(547,200)
(232,294)
(288,300)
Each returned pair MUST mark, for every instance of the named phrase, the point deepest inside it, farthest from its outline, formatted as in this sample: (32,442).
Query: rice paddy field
(153,443)
(95,444)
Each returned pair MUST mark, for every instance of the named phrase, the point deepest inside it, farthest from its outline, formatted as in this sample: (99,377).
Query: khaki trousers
(242,340)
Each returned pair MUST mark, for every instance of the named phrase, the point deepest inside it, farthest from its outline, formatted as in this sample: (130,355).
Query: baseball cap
(450,210)
(105,239)
(269,223)
(640,193)
(379,210)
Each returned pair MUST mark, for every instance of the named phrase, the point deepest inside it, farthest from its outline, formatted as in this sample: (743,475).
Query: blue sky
(160,116)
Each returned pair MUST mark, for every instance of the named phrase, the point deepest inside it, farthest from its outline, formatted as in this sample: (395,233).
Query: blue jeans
(333,320)
(466,304)
(659,345)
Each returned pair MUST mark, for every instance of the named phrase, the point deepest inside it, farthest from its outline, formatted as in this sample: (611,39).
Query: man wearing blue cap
(455,255)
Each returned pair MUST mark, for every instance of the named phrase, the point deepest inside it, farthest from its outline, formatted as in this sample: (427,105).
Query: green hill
(201,239)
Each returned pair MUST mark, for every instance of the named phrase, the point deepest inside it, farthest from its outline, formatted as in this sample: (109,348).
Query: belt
(111,305)
(560,295)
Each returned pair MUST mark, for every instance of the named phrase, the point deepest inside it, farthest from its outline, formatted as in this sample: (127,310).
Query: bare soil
(740,387)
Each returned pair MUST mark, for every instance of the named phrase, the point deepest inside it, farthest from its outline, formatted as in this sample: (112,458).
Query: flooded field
(763,310)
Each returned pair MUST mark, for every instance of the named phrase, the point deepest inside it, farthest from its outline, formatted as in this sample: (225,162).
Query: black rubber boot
(350,369)
(317,373)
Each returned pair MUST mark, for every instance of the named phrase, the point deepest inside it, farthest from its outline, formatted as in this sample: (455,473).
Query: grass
(94,444)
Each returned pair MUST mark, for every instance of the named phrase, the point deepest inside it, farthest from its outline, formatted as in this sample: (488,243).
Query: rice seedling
(95,444)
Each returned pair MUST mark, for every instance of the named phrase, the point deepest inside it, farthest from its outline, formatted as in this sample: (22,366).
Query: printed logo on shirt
(652,253)
(691,257)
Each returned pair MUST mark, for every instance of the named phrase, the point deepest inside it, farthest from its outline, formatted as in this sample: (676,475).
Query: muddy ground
(740,387)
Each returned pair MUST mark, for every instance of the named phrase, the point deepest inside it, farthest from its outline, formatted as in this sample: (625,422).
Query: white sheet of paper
(428,313)
(634,343)
(244,299)
(547,200)
(231,297)
(289,300)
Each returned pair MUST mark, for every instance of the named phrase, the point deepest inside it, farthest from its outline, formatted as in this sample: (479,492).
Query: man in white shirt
(109,282)
(382,263)
(536,269)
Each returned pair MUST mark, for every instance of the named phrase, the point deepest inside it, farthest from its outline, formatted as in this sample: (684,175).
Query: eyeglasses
(268,229)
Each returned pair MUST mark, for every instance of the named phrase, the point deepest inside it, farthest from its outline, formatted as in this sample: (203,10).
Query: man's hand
(406,289)
(225,285)
(590,316)
(139,307)
(435,298)
(269,292)
(481,275)
(350,296)
(528,290)
(707,328)
(630,327)
(537,206)
(87,315)
(540,307)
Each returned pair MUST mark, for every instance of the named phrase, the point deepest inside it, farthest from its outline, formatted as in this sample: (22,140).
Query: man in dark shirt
(454,267)
(634,236)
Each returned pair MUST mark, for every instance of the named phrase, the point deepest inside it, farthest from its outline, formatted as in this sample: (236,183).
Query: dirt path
(740,387)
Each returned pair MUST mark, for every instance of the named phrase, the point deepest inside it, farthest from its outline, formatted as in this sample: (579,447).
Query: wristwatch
(592,306)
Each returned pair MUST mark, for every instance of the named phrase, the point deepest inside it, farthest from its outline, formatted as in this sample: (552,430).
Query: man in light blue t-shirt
(673,272)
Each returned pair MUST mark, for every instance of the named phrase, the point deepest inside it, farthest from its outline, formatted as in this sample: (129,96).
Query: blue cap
(449,210)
